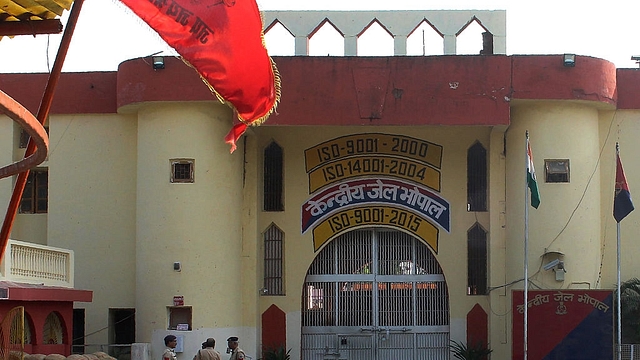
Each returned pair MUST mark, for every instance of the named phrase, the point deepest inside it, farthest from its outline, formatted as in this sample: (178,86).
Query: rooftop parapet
(400,25)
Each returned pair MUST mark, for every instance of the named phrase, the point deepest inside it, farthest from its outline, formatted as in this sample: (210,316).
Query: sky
(108,34)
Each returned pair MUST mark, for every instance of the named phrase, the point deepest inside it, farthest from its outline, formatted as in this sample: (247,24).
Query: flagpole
(526,245)
(619,322)
(618,300)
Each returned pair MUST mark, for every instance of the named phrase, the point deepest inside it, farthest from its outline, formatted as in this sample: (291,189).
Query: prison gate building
(378,214)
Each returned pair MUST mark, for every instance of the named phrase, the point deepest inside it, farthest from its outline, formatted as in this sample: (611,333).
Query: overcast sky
(107,34)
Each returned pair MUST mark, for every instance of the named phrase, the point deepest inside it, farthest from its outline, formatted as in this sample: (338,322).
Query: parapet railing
(37,264)
(399,24)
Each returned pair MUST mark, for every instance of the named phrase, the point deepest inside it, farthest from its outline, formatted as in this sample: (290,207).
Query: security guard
(170,341)
(236,352)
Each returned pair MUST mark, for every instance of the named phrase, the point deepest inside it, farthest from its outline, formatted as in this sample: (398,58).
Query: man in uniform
(236,352)
(207,352)
(170,341)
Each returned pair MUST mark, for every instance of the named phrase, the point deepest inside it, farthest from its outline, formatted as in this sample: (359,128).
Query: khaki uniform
(207,354)
(169,355)
(237,354)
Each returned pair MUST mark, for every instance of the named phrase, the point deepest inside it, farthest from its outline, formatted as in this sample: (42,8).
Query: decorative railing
(37,264)
(399,24)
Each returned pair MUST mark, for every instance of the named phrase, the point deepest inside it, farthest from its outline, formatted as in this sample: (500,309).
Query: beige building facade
(398,180)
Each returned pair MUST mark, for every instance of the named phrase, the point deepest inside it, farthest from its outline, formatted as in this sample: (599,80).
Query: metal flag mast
(622,206)
(526,244)
(619,321)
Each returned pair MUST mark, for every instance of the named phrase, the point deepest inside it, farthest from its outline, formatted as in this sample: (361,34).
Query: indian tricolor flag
(532,182)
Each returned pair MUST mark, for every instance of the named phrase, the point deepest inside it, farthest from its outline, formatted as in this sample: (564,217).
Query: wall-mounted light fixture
(569,60)
(158,62)
(636,59)
(264,291)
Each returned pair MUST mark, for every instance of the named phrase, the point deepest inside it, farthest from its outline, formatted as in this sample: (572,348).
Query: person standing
(170,341)
(207,352)
(236,352)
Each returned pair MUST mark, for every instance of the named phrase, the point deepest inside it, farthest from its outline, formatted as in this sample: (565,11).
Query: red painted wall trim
(48,294)
(138,82)
(444,90)
(545,78)
(76,93)
(628,88)
(401,90)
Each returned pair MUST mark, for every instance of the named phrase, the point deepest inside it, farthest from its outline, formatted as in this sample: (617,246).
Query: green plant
(277,353)
(463,352)
(630,310)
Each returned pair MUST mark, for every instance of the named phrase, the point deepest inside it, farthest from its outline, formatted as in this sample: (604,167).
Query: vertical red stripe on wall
(477,327)
(274,328)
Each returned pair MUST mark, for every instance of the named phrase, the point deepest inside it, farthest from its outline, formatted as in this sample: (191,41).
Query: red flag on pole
(223,41)
(622,204)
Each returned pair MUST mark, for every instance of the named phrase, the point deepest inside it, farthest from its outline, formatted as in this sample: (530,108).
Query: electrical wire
(588,182)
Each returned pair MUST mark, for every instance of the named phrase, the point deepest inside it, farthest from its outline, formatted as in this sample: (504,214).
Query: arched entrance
(375,294)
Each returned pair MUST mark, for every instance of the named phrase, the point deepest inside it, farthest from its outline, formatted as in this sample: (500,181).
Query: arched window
(273,265)
(477,178)
(21,325)
(53,332)
(476,260)
(272,178)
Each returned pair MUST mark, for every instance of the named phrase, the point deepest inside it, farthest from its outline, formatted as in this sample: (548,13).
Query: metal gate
(375,294)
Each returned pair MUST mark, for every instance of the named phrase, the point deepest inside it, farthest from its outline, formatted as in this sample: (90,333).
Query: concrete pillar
(197,225)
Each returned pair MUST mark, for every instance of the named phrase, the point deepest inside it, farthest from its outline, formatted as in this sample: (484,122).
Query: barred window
(477,178)
(273,267)
(476,260)
(272,178)
(556,171)
(35,198)
(182,170)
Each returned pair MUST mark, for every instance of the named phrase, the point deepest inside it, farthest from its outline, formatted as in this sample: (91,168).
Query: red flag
(223,41)
(622,204)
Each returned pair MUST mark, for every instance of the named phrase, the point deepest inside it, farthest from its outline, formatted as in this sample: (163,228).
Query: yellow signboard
(375,215)
(374,144)
(348,168)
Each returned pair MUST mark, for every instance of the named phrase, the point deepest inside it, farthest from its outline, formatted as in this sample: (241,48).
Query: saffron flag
(532,182)
(223,41)
(622,204)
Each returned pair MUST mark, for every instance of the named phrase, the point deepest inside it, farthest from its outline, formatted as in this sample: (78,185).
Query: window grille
(476,260)
(272,178)
(182,170)
(273,266)
(52,332)
(477,178)
(556,171)
(375,278)
(35,198)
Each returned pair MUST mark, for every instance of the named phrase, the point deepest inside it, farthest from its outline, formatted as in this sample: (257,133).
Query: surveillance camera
(264,291)
(551,264)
